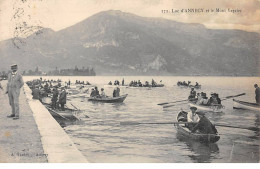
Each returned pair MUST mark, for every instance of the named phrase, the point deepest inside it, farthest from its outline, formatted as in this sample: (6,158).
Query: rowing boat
(157,85)
(211,108)
(185,132)
(189,86)
(118,99)
(68,114)
(245,105)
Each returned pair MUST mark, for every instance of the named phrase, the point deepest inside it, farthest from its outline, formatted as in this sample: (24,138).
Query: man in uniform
(257,94)
(15,82)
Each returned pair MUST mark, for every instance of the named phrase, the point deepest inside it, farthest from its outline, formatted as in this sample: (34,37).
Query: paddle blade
(228,97)
(173,105)
(239,127)
(172,102)
(162,103)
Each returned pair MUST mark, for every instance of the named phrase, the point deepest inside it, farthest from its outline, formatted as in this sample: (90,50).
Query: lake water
(102,139)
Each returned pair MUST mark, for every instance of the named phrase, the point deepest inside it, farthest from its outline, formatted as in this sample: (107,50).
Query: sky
(59,14)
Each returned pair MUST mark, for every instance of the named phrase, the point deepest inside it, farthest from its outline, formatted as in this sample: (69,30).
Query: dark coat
(192,94)
(36,94)
(205,126)
(63,97)
(257,95)
(55,95)
(93,93)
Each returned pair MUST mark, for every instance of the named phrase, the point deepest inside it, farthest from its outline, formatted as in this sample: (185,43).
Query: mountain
(118,43)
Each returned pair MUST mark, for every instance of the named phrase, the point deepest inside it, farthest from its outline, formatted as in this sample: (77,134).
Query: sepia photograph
(130,81)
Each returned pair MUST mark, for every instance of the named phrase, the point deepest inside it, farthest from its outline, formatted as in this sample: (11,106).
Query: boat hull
(216,109)
(119,99)
(68,114)
(185,132)
(204,138)
(190,86)
(246,105)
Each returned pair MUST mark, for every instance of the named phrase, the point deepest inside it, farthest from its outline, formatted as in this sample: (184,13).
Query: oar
(74,106)
(138,123)
(172,102)
(220,125)
(177,101)
(173,105)
(225,98)
(228,97)
(239,127)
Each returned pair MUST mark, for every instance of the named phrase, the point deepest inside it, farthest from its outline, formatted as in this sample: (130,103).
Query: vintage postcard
(129,81)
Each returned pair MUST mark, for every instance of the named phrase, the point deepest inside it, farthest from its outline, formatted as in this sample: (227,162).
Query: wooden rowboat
(189,86)
(118,99)
(213,108)
(157,85)
(245,105)
(185,132)
(68,114)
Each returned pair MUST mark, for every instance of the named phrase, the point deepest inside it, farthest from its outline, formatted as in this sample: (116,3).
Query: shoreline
(36,137)
(56,143)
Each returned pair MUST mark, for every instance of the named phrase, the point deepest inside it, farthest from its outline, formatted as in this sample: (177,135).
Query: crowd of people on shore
(42,88)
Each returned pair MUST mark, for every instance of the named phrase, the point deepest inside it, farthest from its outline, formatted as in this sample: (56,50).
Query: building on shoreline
(62,72)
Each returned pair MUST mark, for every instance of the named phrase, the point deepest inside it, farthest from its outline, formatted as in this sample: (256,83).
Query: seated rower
(146,83)
(192,117)
(192,94)
(102,93)
(97,92)
(212,99)
(93,93)
(188,83)
(153,83)
(218,99)
(139,83)
(204,99)
(204,125)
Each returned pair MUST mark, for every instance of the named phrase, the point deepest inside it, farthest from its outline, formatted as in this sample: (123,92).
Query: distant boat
(189,86)
(204,108)
(156,85)
(245,105)
(118,99)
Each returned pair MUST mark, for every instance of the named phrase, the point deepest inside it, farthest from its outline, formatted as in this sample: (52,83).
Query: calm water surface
(101,138)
